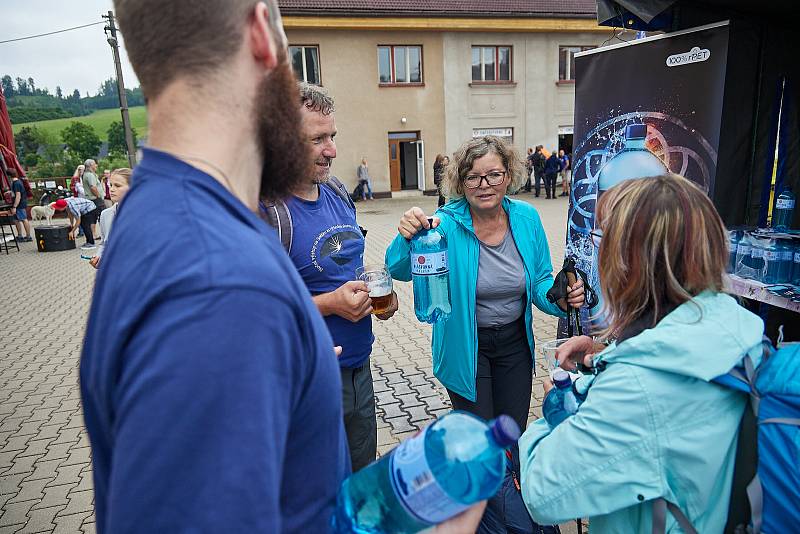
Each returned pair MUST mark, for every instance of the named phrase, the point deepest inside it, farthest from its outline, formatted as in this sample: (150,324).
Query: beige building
(415,78)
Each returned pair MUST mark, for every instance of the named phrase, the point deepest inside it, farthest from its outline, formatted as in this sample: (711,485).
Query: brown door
(394,164)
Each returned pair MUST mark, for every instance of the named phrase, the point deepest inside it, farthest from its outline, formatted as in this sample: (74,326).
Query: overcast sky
(79,59)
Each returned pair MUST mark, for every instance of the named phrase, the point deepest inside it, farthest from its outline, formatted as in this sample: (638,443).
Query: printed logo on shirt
(334,243)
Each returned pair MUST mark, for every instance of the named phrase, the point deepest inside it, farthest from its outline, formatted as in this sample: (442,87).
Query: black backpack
(277,215)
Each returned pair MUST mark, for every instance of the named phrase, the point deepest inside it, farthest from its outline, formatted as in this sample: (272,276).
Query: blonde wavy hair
(663,244)
(125,172)
(458,168)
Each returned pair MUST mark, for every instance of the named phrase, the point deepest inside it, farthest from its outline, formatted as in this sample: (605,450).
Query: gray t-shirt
(89,179)
(500,296)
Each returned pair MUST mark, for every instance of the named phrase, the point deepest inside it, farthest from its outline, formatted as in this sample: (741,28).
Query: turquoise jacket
(652,426)
(455,342)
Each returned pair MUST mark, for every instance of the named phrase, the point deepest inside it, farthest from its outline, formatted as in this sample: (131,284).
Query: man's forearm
(95,191)
(323,303)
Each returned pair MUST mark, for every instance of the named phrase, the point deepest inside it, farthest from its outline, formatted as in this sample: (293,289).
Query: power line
(52,33)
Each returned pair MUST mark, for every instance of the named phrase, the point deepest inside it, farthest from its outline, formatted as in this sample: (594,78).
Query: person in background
(364,179)
(119,183)
(93,190)
(81,215)
(107,202)
(439,166)
(76,186)
(499,266)
(538,162)
(528,169)
(19,205)
(652,425)
(566,171)
(551,169)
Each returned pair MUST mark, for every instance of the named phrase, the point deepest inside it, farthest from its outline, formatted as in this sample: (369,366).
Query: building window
(305,62)
(566,61)
(399,64)
(491,63)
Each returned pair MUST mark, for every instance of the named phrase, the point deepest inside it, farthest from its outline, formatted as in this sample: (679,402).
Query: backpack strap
(660,508)
(277,215)
(338,187)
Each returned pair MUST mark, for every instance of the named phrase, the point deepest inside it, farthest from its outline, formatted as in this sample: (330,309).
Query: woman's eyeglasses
(473,181)
(597,236)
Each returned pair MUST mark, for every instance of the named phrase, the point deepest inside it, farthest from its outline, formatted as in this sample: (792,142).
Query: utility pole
(111,37)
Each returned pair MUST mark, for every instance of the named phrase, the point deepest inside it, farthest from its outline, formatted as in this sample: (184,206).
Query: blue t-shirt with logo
(207,374)
(327,248)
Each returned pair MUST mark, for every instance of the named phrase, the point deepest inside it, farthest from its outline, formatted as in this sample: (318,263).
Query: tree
(8,86)
(22,87)
(76,94)
(116,138)
(81,140)
(59,94)
(28,140)
(32,86)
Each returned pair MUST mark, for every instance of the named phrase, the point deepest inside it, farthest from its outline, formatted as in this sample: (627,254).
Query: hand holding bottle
(415,220)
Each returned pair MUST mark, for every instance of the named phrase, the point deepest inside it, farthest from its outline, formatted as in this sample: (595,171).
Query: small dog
(42,212)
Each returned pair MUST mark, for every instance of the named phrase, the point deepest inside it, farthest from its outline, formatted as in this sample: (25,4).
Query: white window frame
(496,63)
(572,50)
(303,54)
(393,68)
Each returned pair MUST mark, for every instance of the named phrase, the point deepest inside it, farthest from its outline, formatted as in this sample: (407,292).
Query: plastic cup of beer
(379,284)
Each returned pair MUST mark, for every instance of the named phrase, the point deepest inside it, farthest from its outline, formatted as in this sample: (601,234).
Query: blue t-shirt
(207,375)
(18,187)
(327,248)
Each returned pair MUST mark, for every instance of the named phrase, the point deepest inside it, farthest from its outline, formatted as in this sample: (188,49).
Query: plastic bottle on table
(783,215)
(756,271)
(743,254)
(733,243)
(796,266)
(455,462)
(786,251)
(430,274)
(773,256)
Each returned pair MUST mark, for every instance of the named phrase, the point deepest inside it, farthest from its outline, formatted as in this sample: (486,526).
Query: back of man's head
(167,40)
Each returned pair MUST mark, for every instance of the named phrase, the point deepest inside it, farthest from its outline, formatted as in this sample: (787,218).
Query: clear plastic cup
(548,350)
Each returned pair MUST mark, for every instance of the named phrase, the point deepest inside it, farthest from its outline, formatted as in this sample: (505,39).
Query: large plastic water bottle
(430,274)
(786,252)
(773,256)
(743,255)
(633,161)
(783,215)
(756,271)
(455,462)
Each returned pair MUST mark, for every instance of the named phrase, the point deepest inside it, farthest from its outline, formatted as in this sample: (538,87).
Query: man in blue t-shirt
(207,374)
(327,248)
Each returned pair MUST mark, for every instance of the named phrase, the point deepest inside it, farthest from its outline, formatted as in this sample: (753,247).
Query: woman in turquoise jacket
(499,264)
(652,428)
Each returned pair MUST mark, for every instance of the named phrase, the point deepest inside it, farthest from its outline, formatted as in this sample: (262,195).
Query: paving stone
(69,524)
(58,451)
(41,520)
(11,483)
(69,474)
(55,496)
(22,464)
(89,528)
(79,501)
(30,490)
(45,470)
(78,455)
(16,513)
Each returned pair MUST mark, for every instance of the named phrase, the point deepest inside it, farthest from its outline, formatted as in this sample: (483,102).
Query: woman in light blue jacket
(499,266)
(652,428)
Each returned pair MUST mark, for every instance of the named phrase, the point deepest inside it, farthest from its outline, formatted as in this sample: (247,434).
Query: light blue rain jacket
(455,342)
(652,426)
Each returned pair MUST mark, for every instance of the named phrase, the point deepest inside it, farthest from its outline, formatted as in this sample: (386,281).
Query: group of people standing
(543,167)
(232,390)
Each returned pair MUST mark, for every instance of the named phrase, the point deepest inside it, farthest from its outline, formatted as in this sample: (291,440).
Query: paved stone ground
(45,469)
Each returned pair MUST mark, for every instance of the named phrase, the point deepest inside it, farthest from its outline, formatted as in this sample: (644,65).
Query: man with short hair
(81,213)
(552,167)
(19,206)
(565,172)
(209,381)
(538,161)
(327,248)
(93,189)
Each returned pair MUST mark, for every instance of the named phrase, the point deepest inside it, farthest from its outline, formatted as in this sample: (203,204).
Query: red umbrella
(7,147)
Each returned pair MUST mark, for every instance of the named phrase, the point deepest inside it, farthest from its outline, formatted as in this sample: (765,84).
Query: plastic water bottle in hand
(454,463)
(561,401)
(430,274)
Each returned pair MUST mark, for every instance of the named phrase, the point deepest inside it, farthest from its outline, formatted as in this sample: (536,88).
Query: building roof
(442,8)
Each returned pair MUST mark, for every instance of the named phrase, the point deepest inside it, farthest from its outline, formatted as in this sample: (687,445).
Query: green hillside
(99,120)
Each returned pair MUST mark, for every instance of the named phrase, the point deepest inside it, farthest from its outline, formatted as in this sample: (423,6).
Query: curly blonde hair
(463,159)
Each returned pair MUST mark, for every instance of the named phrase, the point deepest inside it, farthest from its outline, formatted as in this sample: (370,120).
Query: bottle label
(797,257)
(429,263)
(414,484)
(787,255)
(771,255)
(756,253)
(744,250)
(784,204)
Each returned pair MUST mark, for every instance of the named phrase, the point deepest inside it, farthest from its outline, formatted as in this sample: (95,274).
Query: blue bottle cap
(505,430)
(636,131)
(561,379)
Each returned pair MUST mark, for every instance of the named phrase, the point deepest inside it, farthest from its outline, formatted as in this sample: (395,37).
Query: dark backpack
(277,215)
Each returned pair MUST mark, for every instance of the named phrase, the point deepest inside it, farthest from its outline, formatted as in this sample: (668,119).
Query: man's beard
(321,177)
(286,158)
